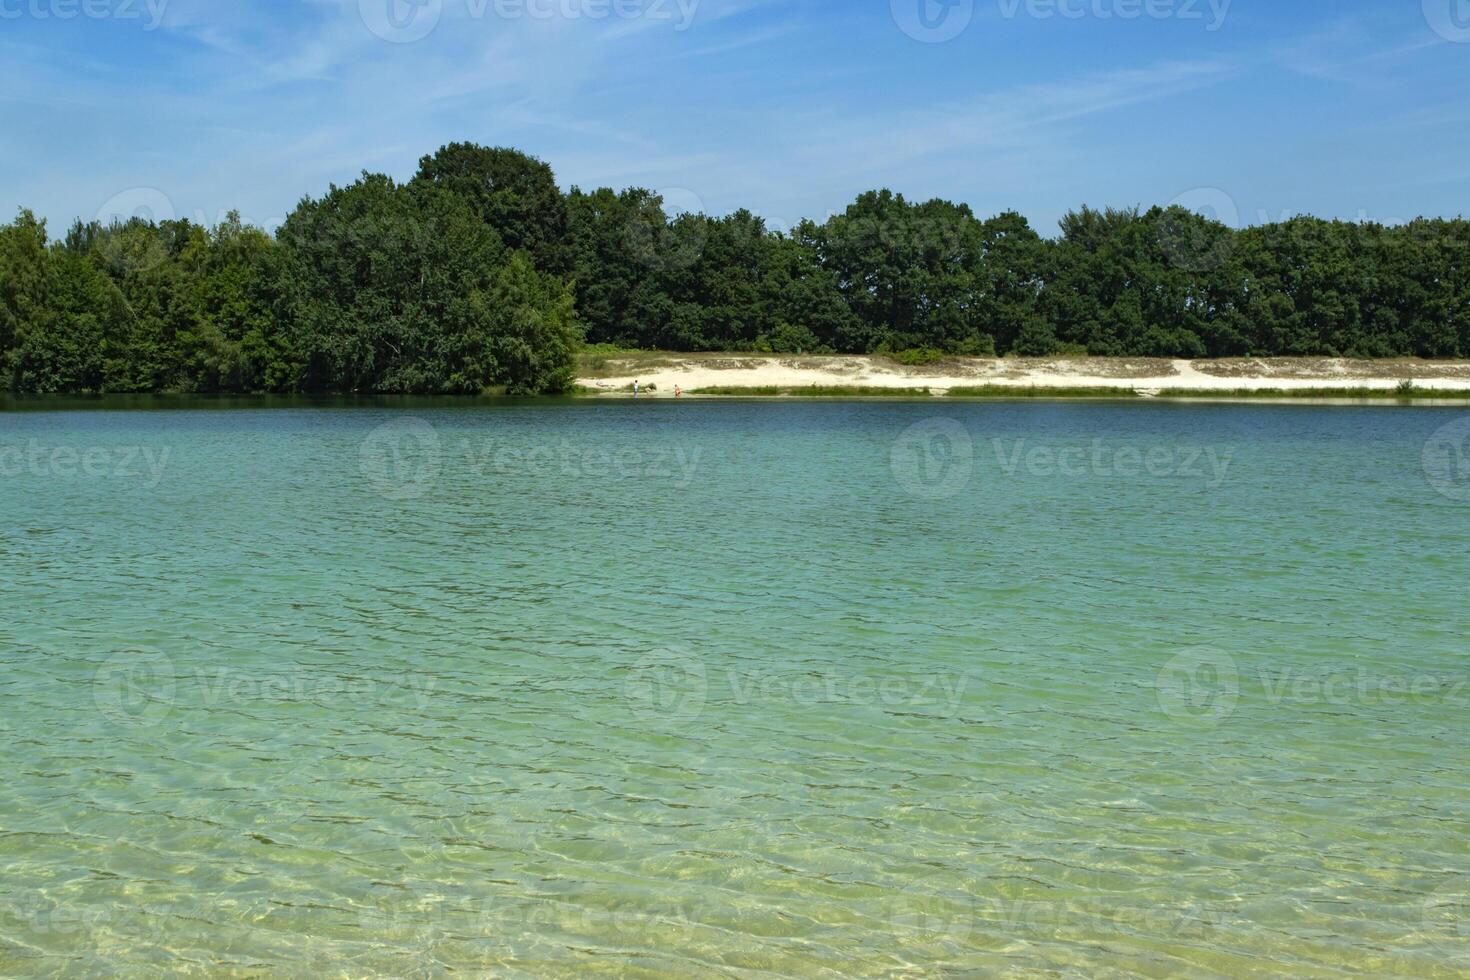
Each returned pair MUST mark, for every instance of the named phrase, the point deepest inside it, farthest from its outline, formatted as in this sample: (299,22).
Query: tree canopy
(481,274)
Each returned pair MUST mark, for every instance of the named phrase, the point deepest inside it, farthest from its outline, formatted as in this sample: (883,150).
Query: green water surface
(734,689)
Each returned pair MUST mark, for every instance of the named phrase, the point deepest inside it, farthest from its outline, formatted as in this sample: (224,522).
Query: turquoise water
(736,689)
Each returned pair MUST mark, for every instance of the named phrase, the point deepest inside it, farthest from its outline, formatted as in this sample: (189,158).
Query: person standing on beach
(635,388)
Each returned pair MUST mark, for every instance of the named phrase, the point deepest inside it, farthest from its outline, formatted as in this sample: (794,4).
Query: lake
(735,688)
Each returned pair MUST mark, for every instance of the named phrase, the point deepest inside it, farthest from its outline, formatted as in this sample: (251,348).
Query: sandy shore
(694,371)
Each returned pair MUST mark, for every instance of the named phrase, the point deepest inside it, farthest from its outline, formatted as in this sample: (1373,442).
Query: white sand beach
(658,374)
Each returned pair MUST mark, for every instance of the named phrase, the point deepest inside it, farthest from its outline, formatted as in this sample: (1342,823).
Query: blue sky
(1250,109)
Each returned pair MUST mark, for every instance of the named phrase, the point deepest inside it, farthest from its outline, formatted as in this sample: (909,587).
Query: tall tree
(390,289)
(514,193)
(25,281)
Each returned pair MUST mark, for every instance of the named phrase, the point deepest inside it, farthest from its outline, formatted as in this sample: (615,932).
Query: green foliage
(1191,394)
(406,289)
(1037,391)
(789,338)
(525,320)
(1359,393)
(515,194)
(979,345)
(815,391)
(481,274)
(611,236)
(592,358)
(65,347)
(917,357)
(27,282)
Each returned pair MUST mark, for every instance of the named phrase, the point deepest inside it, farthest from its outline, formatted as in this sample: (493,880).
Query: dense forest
(481,274)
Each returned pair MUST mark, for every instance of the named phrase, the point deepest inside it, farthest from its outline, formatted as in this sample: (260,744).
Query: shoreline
(847,376)
(715,377)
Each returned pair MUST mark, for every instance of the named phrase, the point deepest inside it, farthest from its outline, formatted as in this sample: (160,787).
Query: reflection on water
(10,402)
(685,689)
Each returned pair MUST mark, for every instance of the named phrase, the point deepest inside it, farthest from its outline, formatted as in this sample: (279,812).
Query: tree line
(481,274)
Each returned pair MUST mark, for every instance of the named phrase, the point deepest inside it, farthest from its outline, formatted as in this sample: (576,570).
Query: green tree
(26,280)
(480,274)
(387,289)
(65,349)
(237,343)
(515,194)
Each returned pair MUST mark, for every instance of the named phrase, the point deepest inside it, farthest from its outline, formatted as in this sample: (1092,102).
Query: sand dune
(695,371)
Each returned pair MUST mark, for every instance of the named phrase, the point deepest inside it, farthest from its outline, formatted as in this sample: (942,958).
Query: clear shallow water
(735,689)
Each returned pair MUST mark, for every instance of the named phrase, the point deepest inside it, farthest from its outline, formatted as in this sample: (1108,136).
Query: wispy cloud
(785,106)
(1359,49)
(1005,120)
